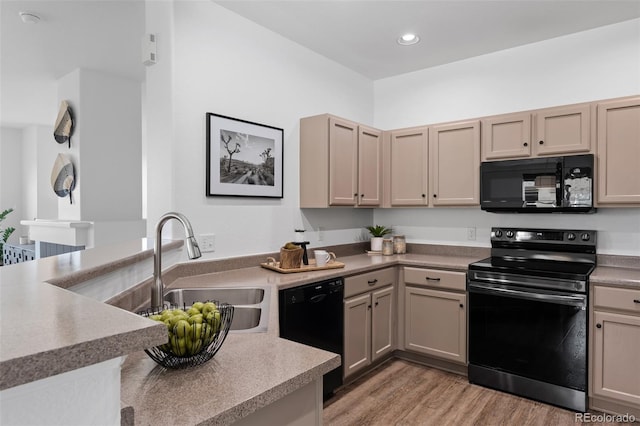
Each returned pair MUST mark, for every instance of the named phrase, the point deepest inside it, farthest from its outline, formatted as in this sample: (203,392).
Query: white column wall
(596,64)
(11,179)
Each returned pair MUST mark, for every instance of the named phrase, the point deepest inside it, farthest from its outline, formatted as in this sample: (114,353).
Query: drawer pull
(599,325)
(636,300)
(432,279)
(372,282)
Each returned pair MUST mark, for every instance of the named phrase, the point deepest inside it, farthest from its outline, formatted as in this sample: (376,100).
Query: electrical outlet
(207,243)
(320,233)
(471,234)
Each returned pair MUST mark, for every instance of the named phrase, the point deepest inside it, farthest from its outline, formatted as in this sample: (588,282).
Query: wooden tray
(305,268)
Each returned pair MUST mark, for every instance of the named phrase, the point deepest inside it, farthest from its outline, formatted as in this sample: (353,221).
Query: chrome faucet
(157,289)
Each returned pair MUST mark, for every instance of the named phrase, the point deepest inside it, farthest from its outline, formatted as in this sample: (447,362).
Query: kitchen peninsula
(251,372)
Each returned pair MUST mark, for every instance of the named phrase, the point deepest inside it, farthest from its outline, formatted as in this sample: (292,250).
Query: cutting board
(275,266)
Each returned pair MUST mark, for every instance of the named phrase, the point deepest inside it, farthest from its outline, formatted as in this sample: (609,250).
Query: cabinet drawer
(369,281)
(435,278)
(625,299)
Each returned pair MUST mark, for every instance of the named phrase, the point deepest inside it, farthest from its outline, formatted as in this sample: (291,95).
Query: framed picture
(244,159)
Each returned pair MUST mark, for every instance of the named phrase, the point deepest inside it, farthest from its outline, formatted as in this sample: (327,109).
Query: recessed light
(29,18)
(408,39)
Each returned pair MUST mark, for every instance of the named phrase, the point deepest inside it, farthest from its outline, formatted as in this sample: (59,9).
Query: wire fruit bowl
(192,340)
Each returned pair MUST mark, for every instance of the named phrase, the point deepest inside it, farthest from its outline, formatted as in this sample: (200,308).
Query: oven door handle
(556,298)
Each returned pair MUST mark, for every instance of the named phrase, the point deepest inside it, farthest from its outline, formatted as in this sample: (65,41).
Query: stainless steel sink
(231,295)
(251,313)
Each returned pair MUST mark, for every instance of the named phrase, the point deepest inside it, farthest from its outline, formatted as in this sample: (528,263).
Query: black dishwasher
(312,314)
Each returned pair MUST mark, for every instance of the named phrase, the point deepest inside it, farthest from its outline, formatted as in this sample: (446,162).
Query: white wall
(227,65)
(591,65)
(39,151)
(11,179)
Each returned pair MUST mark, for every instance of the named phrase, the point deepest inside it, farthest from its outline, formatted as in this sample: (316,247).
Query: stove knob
(510,234)
(571,236)
(585,237)
(498,233)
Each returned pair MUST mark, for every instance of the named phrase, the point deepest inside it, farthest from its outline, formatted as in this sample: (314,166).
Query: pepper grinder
(299,241)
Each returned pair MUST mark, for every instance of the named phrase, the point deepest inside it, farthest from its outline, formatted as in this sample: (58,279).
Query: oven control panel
(546,236)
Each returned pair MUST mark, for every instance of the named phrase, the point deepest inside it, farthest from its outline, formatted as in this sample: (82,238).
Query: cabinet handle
(541,142)
(362,195)
(424,195)
(376,303)
(461,305)
(435,195)
(599,325)
(355,195)
(432,279)
(636,300)
(372,282)
(369,307)
(525,144)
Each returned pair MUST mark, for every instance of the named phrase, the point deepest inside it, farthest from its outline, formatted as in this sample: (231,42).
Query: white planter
(376,243)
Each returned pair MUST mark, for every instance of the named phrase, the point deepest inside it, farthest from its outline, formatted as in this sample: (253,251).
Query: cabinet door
(563,130)
(619,152)
(616,359)
(435,323)
(343,157)
(382,322)
(409,167)
(369,166)
(506,136)
(357,333)
(454,162)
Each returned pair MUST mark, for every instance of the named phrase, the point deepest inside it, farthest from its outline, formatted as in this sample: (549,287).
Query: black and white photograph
(243,158)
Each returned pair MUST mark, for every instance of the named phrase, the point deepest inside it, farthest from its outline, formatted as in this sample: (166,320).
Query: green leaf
(4,214)
(7,233)
(379,230)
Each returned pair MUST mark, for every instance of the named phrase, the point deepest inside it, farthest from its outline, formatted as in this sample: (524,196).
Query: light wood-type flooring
(404,393)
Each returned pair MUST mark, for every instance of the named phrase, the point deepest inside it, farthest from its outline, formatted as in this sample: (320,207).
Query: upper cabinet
(563,130)
(454,164)
(506,136)
(436,166)
(343,163)
(618,156)
(340,163)
(553,131)
(409,167)
(369,166)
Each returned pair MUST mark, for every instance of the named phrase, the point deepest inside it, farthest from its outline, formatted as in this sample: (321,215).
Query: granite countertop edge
(44,284)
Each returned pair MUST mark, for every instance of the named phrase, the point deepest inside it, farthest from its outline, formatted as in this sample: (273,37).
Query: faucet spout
(193,251)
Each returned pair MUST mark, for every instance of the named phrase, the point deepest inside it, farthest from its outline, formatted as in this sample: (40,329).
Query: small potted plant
(377,234)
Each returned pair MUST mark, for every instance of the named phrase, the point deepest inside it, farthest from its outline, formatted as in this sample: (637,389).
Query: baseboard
(441,364)
(614,408)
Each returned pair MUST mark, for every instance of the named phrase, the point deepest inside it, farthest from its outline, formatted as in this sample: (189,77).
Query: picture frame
(244,159)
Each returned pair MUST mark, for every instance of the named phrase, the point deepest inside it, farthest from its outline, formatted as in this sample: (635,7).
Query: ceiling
(361,35)
(93,34)
(106,35)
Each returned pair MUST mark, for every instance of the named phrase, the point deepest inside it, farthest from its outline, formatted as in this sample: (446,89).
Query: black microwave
(538,185)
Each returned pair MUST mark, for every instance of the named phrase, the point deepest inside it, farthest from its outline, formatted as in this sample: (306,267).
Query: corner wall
(596,64)
(225,64)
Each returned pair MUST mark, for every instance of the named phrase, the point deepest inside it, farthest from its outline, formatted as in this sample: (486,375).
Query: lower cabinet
(435,319)
(616,347)
(369,320)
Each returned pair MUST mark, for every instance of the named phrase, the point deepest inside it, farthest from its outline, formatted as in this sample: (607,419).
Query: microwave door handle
(559,182)
(558,299)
